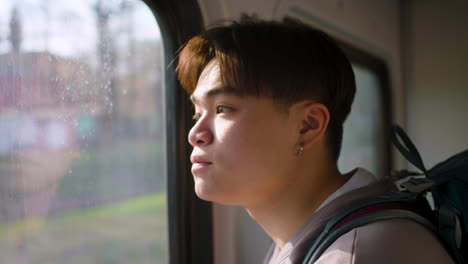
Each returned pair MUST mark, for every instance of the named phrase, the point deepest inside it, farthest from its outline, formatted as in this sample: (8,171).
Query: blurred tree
(16,32)
(106,69)
(45,6)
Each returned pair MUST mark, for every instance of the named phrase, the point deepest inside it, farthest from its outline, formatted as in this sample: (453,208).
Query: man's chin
(204,193)
(214,196)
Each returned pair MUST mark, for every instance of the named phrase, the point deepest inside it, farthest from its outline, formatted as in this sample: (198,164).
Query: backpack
(435,198)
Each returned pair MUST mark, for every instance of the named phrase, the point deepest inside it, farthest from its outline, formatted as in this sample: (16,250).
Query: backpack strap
(368,214)
(390,206)
(404,144)
(450,229)
(314,254)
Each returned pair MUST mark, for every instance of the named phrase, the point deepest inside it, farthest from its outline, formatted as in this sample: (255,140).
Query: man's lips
(199,164)
(199,160)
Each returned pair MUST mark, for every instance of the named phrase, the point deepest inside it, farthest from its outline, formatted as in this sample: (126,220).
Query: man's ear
(314,123)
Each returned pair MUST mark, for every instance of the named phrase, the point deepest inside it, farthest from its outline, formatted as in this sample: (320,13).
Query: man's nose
(200,135)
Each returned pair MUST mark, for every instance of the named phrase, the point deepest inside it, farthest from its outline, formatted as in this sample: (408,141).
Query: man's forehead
(211,72)
(209,79)
(210,84)
(214,91)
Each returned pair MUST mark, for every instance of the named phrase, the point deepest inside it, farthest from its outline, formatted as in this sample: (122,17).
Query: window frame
(189,218)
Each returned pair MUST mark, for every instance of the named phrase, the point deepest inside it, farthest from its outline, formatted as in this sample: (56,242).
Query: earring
(301,149)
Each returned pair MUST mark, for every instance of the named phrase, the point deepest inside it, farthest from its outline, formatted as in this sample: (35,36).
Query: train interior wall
(436,81)
(423,44)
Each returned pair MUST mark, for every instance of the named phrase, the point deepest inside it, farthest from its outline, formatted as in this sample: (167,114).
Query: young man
(270,101)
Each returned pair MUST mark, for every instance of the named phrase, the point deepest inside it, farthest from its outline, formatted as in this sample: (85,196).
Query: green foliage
(107,172)
(134,231)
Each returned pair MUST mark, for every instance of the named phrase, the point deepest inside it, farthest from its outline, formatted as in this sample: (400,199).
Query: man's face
(244,147)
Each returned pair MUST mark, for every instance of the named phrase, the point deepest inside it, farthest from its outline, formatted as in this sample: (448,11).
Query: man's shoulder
(387,241)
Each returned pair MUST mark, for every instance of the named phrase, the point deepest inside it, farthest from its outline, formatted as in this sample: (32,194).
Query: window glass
(82,144)
(363,130)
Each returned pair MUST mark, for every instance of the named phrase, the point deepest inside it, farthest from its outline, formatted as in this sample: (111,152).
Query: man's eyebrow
(219,90)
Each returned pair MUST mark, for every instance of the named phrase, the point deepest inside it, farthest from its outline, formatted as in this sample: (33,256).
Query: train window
(82,133)
(364,138)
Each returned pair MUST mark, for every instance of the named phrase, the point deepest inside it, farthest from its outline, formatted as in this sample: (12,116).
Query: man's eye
(196,116)
(222,109)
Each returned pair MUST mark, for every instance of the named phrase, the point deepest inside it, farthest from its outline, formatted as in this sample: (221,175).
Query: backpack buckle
(415,184)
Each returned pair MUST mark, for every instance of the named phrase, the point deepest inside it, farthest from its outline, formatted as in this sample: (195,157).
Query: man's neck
(284,214)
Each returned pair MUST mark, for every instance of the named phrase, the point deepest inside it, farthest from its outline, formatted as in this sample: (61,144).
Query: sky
(68,28)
